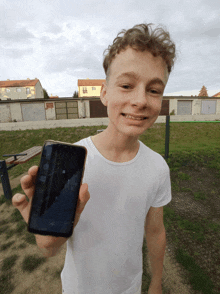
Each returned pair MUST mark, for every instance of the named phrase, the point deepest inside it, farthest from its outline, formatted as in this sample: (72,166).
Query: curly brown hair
(141,37)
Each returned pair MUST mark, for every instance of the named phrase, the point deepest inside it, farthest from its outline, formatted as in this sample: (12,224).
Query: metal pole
(5,180)
(167,138)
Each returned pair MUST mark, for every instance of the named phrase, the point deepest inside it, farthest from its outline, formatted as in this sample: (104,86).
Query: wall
(50,110)
(196,103)
(13,94)
(12,110)
(45,109)
(39,91)
(90,92)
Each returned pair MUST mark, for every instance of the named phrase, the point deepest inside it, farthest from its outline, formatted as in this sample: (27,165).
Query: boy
(127,183)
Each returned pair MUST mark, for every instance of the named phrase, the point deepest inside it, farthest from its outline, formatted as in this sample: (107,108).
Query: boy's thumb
(18,199)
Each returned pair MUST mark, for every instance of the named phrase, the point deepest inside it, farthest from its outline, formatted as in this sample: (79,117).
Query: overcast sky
(59,42)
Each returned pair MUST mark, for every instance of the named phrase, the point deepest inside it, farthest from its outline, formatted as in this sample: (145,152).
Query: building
(53,97)
(89,88)
(21,89)
(216,95)
(183,108)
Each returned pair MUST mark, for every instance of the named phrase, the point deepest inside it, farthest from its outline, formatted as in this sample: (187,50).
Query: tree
(75,95)
(203,92)
(46,96)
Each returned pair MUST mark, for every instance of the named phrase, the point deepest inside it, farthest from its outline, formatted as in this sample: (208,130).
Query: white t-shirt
(104,254)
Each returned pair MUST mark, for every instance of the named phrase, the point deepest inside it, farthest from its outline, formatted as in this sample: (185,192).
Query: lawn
(192,218)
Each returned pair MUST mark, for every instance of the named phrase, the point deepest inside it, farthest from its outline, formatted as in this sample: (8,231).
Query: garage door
(5,113)
(33,111)
(66,110)
(165,108)
(208,107)
(184,107)
(97,109)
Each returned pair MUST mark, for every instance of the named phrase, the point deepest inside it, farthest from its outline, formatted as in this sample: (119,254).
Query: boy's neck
(116,148)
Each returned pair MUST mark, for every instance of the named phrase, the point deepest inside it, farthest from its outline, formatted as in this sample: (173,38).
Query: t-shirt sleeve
(163,195)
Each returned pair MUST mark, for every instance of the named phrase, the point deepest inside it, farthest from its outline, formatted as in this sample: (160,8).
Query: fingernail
(19,197)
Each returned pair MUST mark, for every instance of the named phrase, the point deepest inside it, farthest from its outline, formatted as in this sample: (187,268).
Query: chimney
(8,80)
(28,79)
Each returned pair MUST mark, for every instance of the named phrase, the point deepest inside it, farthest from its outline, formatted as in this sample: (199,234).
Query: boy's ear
(103,94)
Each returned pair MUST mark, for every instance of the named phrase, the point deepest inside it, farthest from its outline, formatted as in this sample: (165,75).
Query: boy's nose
(140,98)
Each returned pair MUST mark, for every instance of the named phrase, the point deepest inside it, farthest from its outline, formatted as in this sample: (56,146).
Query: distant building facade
(21,89)
(53,97)
(183,108)
(89,88)
(216,95)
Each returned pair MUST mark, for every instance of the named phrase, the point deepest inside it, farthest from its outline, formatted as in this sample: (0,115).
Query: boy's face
(134,91)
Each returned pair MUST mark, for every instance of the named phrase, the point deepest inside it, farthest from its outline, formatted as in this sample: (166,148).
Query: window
(7,90)
(18,90)
(84,89)
(93,88)
(28,91)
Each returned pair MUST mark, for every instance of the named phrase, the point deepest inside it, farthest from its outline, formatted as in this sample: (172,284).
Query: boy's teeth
(129,116)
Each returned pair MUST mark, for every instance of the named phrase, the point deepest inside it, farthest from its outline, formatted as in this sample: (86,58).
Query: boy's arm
(156,242)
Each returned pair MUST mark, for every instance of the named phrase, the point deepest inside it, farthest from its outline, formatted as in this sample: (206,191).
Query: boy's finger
(83,197)
(28,185)
(19,201)
(82,200)
(28,181)
(33,170)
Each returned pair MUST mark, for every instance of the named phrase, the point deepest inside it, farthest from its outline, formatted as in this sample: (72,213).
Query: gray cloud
(16,35)
(18,53)
(64,40)
(213,33)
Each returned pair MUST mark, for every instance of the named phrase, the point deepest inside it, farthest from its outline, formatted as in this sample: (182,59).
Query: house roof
(89,82)
(52,97)
(216,95)
(18,83)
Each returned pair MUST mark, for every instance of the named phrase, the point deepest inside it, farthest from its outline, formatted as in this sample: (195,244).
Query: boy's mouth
(136,117)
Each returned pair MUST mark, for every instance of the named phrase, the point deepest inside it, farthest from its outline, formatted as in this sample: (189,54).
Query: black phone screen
(57,188)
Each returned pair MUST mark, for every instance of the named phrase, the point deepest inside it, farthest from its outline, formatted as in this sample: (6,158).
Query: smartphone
(57,187)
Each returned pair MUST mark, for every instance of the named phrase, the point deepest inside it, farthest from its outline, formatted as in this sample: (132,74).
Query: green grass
(6,284)
(196,276)
(7,245)
(199,280)
(9,262)
(191,145)
(31,262)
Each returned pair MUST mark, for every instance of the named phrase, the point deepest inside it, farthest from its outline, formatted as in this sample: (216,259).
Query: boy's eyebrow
(156,81)
(133,75)
(129,74)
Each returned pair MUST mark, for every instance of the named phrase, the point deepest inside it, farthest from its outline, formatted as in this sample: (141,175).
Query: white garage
(208,107)
(184,107)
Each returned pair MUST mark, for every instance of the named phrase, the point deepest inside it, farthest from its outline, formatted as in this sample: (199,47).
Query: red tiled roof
(89,82)
(216,95)
(18,83)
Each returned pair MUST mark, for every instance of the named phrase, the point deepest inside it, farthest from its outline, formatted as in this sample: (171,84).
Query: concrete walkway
(70,123)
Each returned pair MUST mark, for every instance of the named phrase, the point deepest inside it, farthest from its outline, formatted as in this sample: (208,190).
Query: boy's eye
(156,92)
(126,86)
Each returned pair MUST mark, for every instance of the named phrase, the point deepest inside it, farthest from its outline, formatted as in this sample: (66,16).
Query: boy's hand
(19,201)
